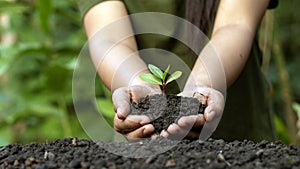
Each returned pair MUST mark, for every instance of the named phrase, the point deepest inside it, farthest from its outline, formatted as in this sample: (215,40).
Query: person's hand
(133,127)
(199,126)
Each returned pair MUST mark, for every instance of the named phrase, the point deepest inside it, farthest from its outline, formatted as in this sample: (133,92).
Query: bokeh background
(39,44)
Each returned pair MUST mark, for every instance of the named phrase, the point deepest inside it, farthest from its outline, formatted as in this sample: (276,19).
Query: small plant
(160,78)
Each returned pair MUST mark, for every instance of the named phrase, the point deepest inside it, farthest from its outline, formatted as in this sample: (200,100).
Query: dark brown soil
(164,110)
(210,154)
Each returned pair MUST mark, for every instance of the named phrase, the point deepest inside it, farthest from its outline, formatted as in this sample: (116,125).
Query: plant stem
(163,88)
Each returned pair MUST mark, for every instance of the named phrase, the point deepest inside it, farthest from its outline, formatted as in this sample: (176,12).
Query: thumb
(121,101)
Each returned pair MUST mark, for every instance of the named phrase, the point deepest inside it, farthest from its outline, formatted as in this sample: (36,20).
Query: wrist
(203,80)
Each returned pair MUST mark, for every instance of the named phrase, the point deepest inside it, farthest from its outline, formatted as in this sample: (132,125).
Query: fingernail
(164,133)
(120,114)
(147,130)
(118,110)
(153,137)
(144,121)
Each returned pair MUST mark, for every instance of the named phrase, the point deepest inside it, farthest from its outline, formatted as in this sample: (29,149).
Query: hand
(199,126)
(133,127)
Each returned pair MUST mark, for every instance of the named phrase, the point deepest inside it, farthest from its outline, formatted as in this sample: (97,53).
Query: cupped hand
(199,126)
(133,127)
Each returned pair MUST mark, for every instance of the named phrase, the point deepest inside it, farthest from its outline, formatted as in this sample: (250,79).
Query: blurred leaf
(39,129)
(6,136)
(106,109)
(36,71)
(105,92)
(57,77)
(49,126)
(4,102)
(296,107)
(10,6)
(99,88)
(69,14)
(45,9)
(32,109)
(281,130)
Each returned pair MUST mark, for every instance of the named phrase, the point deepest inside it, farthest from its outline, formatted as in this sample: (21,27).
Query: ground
(77,153)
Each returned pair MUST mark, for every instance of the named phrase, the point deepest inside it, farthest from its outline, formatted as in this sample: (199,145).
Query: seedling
(160,78)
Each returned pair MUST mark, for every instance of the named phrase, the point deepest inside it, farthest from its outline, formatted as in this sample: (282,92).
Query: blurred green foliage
(286,31)
(36,68)
(296,107)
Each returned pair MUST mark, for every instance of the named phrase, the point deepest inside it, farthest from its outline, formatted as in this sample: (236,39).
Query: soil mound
(214,154)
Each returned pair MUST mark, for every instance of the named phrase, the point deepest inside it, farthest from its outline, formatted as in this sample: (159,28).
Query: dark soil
(211,154)
(164,110)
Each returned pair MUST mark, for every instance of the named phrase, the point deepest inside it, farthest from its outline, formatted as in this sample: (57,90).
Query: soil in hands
(163,110)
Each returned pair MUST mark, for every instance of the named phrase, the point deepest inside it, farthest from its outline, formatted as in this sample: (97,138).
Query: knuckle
(117,129)
(117,91)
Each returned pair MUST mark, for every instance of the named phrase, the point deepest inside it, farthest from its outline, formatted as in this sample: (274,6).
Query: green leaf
(6,136)
(8,6)
(174,76)
(150,78)
(45,10)
(57,77)
(281,130)
(166,72)
(156,71)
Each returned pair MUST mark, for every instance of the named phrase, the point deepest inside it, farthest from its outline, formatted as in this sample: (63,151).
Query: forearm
(112,47)
(117,64)
(226,54)
(234,30)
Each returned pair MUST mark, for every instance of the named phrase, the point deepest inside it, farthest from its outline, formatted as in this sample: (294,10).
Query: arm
(120,66)
(234,30)
(232,37)
(122,55)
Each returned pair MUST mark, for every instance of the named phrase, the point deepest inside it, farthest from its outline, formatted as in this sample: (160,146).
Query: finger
(209,128)
(205,91)
(216,103)
(193,121)
(141,119)
(175,132)
(179,133)
(209,113)
(215,107)
(154,136)
(141,132)
(164,134)
(129,124)
(121,101)
(193,135)
(206,131)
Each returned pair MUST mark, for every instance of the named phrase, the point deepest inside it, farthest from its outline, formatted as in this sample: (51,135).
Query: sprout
(160,78)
